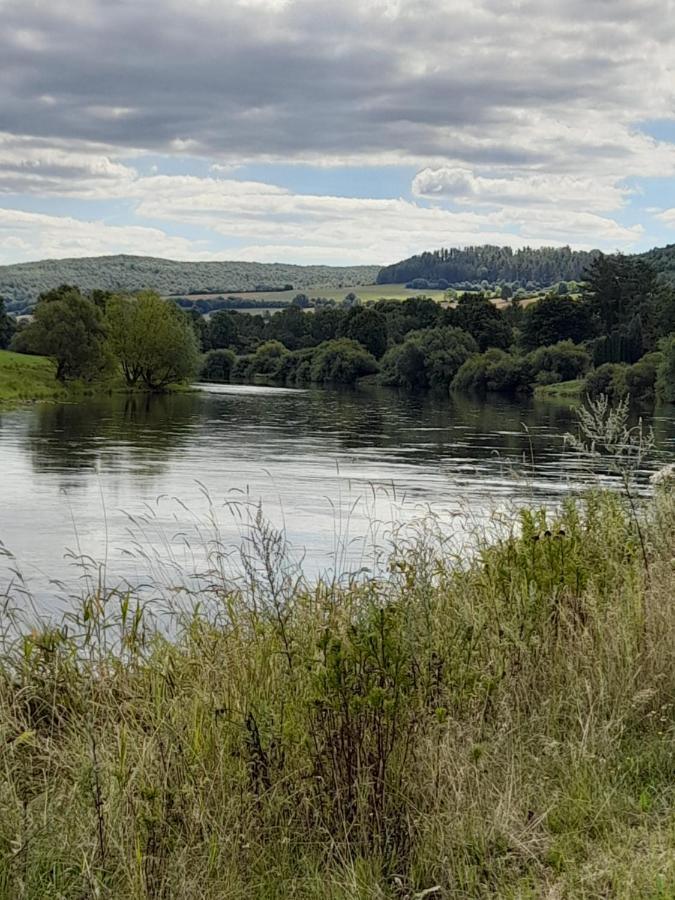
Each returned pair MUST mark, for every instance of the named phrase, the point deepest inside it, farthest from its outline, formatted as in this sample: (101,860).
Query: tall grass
(498,727)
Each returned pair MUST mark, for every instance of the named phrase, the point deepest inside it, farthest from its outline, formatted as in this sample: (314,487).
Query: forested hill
(21,284)
(542,267)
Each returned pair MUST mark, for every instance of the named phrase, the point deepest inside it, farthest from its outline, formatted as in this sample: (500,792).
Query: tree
(478,316)
(217,366)
(553,319)
(290,326)
(222,331)
(367,326)
(428,358)
(494,371)
(325,324)
(7,326)
(665,383)
(70,329)
(559,362)
(617,288)
(152,340)
(341,362)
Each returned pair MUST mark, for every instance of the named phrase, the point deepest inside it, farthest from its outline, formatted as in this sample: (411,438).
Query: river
(146,482)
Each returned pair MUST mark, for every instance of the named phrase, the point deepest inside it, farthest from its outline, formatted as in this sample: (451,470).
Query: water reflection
(322,462)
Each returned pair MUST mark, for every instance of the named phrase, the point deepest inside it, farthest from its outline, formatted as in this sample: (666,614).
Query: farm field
(366,292)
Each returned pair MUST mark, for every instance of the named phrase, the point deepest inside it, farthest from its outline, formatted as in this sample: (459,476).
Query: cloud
(297,226)
(522,117)
(27,236)
(43,167)
(547,84)
(667,216)
(466,187)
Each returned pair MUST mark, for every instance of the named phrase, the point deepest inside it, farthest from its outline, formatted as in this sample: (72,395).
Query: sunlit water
(127,479)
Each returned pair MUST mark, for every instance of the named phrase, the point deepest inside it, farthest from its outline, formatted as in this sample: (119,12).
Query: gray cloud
(441,79)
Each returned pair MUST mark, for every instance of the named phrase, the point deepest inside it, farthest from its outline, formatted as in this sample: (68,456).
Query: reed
(499,725)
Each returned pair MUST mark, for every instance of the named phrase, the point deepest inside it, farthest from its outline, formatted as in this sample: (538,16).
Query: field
(366,292)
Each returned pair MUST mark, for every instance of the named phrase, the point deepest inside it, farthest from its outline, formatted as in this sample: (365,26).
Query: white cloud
(466,187)
(27,236)
(303,226)
(667,216)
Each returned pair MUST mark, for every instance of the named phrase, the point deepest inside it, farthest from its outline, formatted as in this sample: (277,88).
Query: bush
(295,367)
(267,358)
(428,359)
(494,371)
(217,366)
(553,319)
(563,361)
(609,380)
(641,377)
(665,384)
(341,362)
(487,324)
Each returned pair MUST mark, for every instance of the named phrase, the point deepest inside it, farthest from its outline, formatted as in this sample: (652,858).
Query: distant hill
(543,267)
(22,283)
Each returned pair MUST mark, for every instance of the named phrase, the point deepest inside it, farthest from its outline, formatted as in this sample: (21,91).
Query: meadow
(28,378)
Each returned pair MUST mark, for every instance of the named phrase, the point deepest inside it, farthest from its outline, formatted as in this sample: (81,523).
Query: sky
(334,131)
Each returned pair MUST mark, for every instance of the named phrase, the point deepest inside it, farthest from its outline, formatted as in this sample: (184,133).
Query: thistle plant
(606,437)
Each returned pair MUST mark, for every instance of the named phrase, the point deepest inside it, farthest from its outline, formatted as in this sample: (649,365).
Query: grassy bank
(31,379)
(565,391)
(496,728)
(24,379)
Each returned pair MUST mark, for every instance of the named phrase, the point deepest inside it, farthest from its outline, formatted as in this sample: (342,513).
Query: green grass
(493,727)
(565,390)
(366,292)
(31,379)
(28,378)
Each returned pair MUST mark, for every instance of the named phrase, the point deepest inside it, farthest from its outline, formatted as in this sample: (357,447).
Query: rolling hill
(21,284)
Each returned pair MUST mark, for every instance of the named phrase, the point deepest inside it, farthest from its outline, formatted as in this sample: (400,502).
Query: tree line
(540,267)
(619,334)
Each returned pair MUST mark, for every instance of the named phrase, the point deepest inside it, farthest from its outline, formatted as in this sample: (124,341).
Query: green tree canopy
(665,384)
(70,329)
(152,340)
(7,326)
(555,318)
(428,358)
(479,317)
(368,326)
(341,362)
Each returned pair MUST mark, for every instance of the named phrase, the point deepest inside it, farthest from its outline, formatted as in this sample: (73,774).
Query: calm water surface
(120,477)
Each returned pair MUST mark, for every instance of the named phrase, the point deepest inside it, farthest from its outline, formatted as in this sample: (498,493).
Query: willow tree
(152,340)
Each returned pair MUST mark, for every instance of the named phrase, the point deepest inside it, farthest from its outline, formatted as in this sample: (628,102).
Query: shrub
(563,361)
(495,371)
(609,379)
(641,377)
(268,357)
(428,359)
(217,366)
(341,362)
(665,384)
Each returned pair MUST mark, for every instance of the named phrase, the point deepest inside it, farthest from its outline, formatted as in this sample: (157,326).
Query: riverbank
(26,379)
(500,729)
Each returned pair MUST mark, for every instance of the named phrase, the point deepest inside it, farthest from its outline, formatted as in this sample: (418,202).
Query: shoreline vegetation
(612,334)
(499,726)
